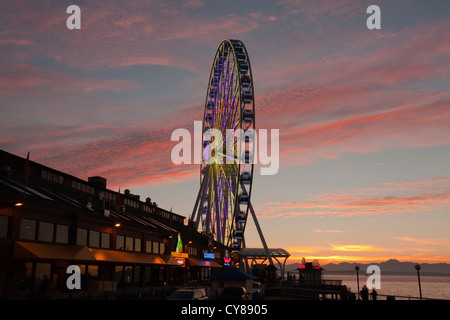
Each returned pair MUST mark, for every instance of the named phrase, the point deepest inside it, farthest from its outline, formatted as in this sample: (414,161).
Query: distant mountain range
(391,266)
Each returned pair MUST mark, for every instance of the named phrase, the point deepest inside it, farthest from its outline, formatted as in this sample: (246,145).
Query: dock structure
(251,256)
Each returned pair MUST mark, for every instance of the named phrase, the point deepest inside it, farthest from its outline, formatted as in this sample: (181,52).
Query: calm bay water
(436,287)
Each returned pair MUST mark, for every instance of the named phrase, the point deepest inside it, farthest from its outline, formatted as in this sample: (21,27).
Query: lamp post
(357,278)
(418,277)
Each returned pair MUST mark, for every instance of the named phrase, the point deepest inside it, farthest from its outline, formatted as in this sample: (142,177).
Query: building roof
(261,253)
(52,188)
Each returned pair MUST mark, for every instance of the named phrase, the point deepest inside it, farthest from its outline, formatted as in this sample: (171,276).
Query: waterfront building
(50,220)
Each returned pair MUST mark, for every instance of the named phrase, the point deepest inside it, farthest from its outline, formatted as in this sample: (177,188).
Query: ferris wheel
(226,172)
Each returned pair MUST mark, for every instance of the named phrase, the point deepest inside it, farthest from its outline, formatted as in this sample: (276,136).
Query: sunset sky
(363,115)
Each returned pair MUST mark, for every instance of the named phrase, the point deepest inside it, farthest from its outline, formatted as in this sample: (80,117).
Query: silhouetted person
(374,294)
(364,293)
(43,285)
(344,293)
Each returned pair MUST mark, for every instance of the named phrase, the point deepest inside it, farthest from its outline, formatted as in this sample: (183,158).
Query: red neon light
(302,266)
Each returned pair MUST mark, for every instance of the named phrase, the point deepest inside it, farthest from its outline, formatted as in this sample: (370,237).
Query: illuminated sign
(208,255)
(179,250)
(181,261)
(179,244)
(226,259)
(179,254)
(302,266)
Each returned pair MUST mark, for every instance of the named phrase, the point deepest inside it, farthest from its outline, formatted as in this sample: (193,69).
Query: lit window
(148,246)
(137,245)
(129,244)
(106,240)
(120,242)
(155,247)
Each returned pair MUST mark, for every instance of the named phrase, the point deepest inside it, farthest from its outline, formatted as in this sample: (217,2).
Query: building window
(106,240)
(119,277)
(82,187)
(27,229)
(129,244)
(128,272)
(120,243)
(62,234)
(108,196)
(94,238)
(162,248)
(137,245)
(82,236)
(42,274)
(4,222)
(147,275)
(53,177)
(148,246)
(193,251)
(45,231)
(137,275)
(155,247)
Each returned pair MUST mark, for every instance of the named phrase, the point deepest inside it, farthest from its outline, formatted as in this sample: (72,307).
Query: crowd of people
(364,294)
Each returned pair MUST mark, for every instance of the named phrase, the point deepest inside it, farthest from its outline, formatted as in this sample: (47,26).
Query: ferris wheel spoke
(223,126)
(231,108)
(228,135)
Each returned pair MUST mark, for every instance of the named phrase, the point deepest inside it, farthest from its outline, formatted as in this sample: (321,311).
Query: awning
(170,260)
(194,262)
(125,257)
(43,251)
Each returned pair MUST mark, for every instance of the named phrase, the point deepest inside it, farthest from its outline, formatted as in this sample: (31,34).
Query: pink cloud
(114,35)
(354,99)
(138,155)
(15,77)
(400,197)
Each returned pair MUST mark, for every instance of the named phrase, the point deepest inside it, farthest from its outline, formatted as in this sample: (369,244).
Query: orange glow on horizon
(323,260)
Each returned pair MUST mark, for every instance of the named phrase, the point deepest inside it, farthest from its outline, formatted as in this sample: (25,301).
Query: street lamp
(357,278)
(418,277)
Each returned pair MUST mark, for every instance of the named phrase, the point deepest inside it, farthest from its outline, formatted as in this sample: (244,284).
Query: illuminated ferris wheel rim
(225,188)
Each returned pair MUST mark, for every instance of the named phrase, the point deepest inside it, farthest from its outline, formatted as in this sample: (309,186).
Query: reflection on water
(437,287)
